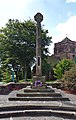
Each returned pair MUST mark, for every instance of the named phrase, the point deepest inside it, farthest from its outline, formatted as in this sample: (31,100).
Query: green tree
(6,76)
(62,66)
(46,67)
(17,41)
(1,76)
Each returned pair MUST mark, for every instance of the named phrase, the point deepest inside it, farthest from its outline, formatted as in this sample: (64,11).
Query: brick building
(65,49)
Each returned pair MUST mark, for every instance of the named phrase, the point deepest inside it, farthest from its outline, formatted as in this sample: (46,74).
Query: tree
(62,66)
(70,75)
(69,78)
(17,41)
(1,76)
(46,67)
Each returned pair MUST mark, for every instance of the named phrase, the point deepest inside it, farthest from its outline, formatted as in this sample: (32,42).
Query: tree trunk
(25,72)
(25,75)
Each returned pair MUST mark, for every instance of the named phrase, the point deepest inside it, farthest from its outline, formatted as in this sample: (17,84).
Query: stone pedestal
(39,82)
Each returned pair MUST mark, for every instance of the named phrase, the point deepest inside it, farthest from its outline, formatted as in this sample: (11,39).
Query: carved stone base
(39,82)
(40,78)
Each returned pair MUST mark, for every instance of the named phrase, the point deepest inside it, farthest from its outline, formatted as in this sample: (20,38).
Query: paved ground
(35,118)
(5,102)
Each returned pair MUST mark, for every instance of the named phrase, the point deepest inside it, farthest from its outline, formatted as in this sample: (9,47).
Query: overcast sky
(59,15)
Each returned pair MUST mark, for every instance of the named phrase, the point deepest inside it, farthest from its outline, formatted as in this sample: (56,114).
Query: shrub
(6,76)
(69,77)
(62,66)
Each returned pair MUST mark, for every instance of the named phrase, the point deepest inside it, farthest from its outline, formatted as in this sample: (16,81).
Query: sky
(59,16)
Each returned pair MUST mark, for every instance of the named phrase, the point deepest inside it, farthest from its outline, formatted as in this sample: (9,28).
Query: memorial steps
(36,113)
(29,94)
(38,102)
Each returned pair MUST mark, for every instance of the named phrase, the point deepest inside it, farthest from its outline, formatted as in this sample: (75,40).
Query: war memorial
(37,101)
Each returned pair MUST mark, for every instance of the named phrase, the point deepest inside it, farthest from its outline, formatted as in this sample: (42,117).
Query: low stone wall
(7,88)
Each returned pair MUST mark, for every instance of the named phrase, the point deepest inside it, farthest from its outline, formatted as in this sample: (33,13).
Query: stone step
(39,90)
(38,94)
(38,99)
(43,112)
(37,107)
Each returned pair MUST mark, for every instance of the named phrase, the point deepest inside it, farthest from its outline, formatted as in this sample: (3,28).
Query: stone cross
(38,79)
(38,18)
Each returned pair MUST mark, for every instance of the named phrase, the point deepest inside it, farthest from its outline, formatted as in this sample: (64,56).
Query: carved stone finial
(38,17)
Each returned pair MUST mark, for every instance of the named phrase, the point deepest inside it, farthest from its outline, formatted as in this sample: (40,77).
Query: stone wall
(7,88)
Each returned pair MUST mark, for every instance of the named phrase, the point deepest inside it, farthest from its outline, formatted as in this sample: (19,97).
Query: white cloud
(69,28)
(68,1)
(68,13)
(13,9)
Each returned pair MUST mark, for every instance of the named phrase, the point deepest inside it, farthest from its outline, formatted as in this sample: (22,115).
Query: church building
(65,49)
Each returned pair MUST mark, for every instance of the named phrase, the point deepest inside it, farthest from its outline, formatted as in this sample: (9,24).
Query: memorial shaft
(38,50)
(38,18)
